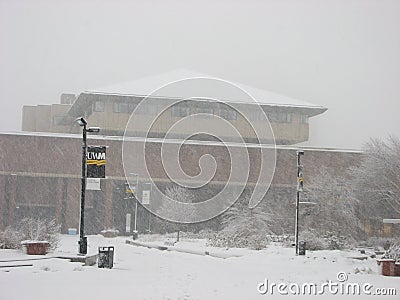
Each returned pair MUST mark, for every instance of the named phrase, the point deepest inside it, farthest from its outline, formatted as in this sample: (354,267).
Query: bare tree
(244,227)
(377,180)
(175,210)
(244,221)
(333,207)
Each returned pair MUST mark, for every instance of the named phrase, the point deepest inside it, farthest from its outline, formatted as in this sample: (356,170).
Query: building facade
(111,108)
(40,176)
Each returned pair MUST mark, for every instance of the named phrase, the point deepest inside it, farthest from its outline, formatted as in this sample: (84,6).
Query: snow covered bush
(31,229)
(313,240)
(327,241)
(9,239)
(378,243)
(243,227)
(394,251)
(41,230)
(337,242)
(229,240)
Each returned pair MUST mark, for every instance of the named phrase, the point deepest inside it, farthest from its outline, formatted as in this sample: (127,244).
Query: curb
(182,250)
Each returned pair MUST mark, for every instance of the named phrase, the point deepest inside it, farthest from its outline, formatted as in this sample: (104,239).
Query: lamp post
(298,190)
(83,239)
(149,204)
(135,232)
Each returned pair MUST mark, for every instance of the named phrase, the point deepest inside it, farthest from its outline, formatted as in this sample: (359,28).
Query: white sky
(340,54)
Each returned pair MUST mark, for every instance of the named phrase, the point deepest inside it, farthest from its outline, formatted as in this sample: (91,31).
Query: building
(110,108)
(48,118)
(40,175)
(41,167)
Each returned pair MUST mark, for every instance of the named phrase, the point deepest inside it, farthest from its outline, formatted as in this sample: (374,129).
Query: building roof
(148,85)
(174,141)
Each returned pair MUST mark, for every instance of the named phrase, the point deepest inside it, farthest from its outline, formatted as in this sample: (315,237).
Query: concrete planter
(109,233)
(387,267)
(397,269)
(36,247)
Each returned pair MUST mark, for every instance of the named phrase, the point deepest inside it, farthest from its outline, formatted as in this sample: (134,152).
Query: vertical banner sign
(96,161)
(128,223)
(146,197)
(93,184)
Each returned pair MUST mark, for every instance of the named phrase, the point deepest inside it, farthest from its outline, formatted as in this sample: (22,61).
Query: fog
(340,54)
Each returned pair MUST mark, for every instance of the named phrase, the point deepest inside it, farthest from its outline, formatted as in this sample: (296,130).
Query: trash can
(302,248)
(106,257)
(134,235)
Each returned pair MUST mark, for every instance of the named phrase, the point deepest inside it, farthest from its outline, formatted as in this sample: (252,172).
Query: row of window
(183,111)
(119,107)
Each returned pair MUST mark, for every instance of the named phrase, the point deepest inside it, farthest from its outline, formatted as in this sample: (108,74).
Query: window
(204,110)
(147,109)
(304,119)
(273,117)
(180,111)
(258,115)
(58,120)
(228,114)
(122,107)
(98,106)
(280,117)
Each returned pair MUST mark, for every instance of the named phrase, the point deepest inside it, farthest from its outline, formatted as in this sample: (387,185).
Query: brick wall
(40,174)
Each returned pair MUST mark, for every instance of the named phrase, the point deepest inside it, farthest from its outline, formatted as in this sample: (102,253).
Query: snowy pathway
(142,273)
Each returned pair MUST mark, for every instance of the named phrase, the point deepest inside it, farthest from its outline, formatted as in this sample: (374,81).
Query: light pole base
(83,246)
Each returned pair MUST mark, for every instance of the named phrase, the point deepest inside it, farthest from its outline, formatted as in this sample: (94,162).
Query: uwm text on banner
(96,161)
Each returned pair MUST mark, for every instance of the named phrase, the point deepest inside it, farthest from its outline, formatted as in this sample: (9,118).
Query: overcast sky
(340,54)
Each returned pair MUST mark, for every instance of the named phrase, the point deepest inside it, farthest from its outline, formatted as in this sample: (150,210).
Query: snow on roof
(179,141)
(148,85)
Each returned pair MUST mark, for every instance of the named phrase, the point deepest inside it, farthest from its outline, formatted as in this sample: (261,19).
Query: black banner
(96,161)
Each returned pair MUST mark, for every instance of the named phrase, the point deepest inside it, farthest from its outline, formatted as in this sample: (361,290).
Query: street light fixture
(81,121)
(83,239)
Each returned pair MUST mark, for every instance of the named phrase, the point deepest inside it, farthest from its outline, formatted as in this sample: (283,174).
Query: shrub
(394,251)
(232,240)
(244,227)
(31,229)
(337,242)
(327,241)
(313,241)
(9,239)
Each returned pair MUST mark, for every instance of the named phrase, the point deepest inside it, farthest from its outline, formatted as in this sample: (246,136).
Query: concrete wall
(46,118)
(41,118)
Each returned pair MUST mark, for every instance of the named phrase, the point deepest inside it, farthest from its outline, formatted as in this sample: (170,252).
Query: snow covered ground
(143,273)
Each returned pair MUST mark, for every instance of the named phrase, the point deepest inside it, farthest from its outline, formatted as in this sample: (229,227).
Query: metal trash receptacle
(302,248)
(106,257)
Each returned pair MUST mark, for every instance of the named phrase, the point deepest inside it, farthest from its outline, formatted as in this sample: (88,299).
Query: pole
(149,205)
(298,190)
(135,215)
(297,223)
(134,195)
(82,238)
(136,200)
